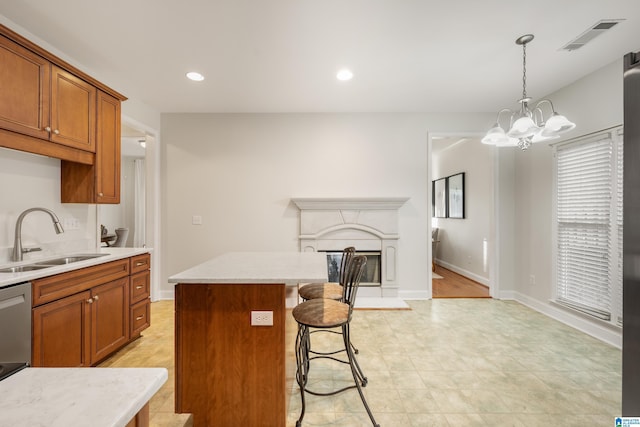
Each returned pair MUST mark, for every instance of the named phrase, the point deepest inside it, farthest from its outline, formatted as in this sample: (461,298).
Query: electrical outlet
(196,220)
(70,223)
(262,318)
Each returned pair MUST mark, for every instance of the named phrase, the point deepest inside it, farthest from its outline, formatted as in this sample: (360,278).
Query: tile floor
(445,362)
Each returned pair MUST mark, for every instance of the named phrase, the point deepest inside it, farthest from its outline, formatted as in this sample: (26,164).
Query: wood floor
(453,285)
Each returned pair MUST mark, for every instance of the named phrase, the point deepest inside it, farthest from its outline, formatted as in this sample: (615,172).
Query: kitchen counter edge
(110,254)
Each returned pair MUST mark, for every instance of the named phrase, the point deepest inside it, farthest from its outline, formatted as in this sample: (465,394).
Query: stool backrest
(347,255)
(352,281)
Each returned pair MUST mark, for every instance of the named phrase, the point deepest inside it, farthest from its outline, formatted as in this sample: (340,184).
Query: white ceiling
(282,55)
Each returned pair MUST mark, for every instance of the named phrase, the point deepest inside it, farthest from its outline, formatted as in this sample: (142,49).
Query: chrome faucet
(17,243)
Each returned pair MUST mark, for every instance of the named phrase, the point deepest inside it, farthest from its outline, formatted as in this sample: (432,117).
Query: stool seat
(328,290)
(321,313)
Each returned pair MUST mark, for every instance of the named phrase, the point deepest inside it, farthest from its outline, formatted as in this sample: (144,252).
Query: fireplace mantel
(360,203)
(367,223)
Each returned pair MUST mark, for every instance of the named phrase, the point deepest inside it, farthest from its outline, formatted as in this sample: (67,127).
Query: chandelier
(527,125)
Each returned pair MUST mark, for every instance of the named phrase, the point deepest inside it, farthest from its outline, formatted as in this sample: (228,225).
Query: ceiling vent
(591,33)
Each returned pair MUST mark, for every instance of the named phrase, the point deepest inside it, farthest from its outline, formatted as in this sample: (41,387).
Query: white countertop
(112,254)
(70,397)
(290,268)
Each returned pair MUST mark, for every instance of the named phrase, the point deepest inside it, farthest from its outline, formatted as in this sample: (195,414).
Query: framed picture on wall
(439,198)
(455,195)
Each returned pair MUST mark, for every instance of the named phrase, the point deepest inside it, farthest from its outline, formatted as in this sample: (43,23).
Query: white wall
(462,247)
(239,172)
(593,103)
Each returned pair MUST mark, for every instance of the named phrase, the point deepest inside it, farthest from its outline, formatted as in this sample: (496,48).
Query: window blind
(589,226)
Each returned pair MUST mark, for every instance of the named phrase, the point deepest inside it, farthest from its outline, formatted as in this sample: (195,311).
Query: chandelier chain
(524,71)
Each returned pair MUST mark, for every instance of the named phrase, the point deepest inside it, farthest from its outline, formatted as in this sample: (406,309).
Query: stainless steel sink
(68,259)
(50,263)
(23,268)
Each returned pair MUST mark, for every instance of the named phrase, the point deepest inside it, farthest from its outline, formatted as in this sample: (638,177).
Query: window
(588,225)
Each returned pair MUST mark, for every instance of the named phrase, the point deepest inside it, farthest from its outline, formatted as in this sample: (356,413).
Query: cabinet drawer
(140,317)
(140,286)
(61,285)
(140,263)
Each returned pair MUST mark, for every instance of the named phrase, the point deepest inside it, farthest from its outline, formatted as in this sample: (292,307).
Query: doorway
(129,214)
(463,253)
(139,199)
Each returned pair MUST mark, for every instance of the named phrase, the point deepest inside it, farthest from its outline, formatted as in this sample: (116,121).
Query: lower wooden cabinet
(109,318)
(61,332)
(82,329)
(93,322)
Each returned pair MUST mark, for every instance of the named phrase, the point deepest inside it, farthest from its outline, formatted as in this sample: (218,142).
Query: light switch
(196,220)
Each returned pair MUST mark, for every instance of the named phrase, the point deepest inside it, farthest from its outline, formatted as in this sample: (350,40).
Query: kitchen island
(79,397)
(228,371)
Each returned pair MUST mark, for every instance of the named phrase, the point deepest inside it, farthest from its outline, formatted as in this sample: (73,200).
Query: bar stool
(326,313)
(334,291)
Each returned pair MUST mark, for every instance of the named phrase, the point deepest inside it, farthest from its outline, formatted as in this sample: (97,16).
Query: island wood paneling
(229,373)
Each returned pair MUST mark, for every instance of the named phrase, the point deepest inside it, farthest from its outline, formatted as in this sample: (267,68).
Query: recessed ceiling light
(196,77)
(344,75)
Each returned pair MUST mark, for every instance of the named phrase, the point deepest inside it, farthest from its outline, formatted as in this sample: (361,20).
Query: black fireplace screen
(371,276)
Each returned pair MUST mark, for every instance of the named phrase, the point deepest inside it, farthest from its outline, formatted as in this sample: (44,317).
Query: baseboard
(167,294)
(463,272)
(602,333)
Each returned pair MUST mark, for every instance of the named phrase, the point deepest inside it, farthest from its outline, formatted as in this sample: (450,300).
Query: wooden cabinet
(51,108)
(83,316)
(99,182)
(73,111)
(140,311)
(60,332)
(24,90)
(109,318)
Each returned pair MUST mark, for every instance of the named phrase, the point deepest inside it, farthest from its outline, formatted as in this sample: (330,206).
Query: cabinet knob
(100,194)
(140,263)
(95,298)
(56,131)
(48,129)
(140,317)
(139,287)
(90,301)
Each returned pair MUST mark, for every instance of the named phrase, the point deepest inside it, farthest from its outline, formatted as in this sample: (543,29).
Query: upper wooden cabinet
(51,108)
(73,111)
(100,182)
(24,90)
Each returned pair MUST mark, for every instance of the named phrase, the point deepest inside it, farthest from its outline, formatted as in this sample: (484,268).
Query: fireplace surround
(368,224)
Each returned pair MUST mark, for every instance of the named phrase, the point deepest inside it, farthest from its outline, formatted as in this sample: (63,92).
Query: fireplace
(371,275)
(368,224)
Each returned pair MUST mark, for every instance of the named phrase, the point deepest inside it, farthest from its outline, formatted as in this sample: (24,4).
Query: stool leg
(346,334)
(363,379)
(302,363)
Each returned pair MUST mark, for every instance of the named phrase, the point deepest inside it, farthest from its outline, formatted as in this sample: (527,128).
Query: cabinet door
(109,318)
(107,167)
(24,90)
(61,332)
(73,110)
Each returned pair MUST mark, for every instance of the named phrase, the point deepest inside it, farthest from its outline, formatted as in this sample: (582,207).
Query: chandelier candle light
(527,125)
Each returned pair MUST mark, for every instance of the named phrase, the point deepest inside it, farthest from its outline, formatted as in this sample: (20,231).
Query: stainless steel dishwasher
(15,323)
